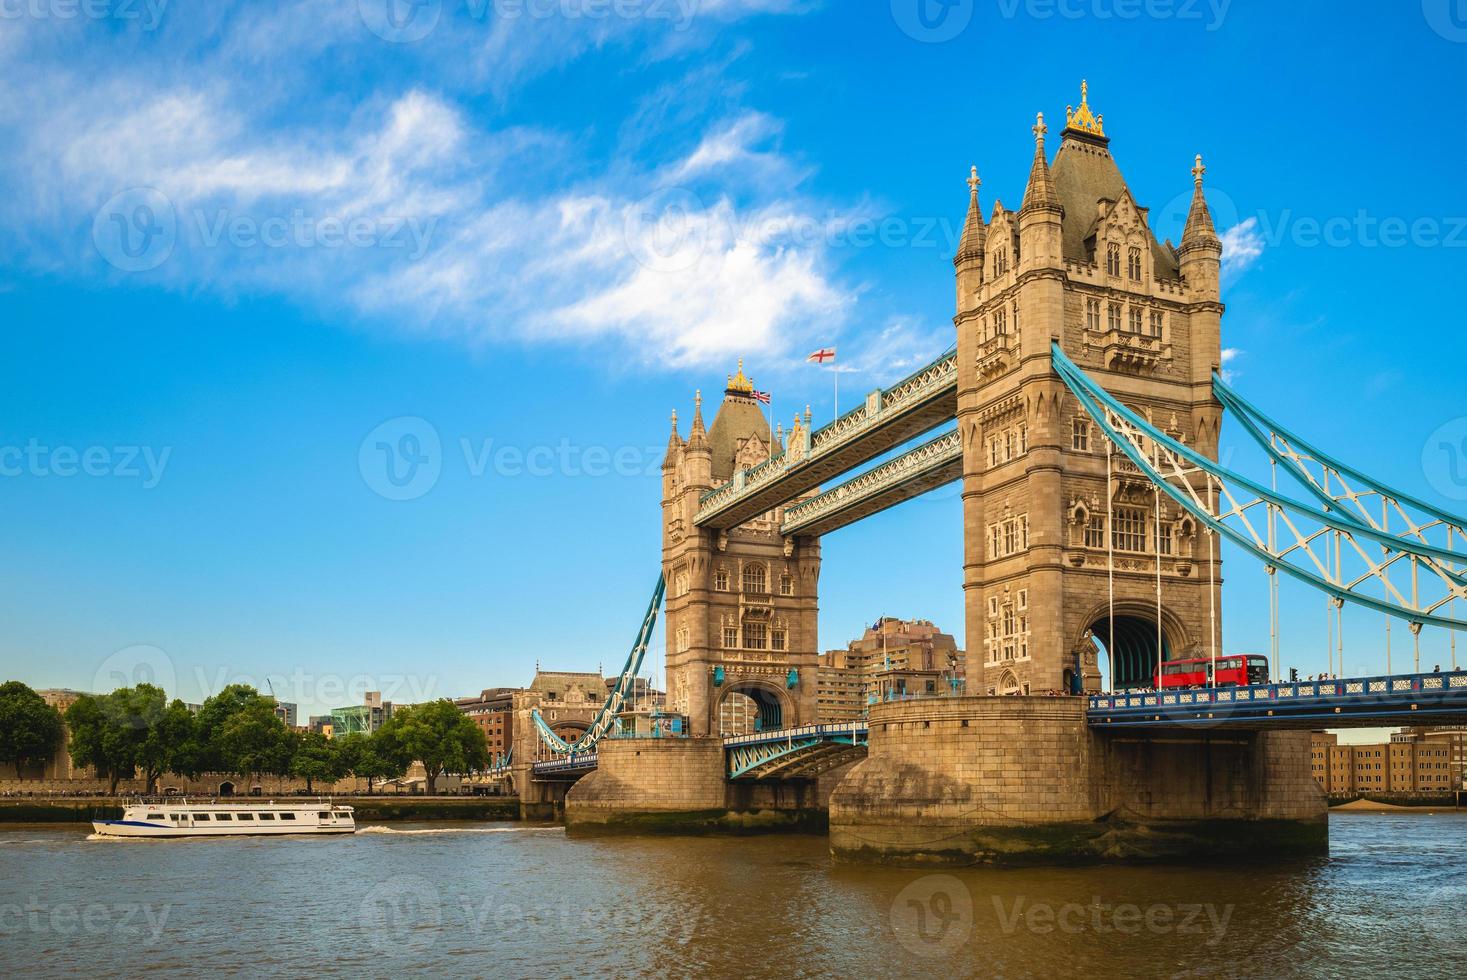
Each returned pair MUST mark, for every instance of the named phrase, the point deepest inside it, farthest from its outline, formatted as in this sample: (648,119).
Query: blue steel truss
(605,718)
(1288,535)
(1340,487)
(794,752)
(1336,703)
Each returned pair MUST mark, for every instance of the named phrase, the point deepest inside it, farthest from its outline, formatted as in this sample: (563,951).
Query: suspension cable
(1110,562)
(1158,586)
(1273,578)
(1212,588)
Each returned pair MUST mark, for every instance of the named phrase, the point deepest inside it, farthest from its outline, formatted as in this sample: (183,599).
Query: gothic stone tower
(1078,264)
(741,603)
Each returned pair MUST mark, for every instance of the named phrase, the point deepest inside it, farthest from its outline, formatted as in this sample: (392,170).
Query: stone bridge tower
(741,604)
(1078,264)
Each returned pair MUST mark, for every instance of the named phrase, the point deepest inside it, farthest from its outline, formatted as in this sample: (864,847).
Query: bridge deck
(927,467)
(1357,702)
(887,419)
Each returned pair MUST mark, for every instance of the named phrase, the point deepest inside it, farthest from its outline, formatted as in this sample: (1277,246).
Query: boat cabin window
(155,816)
(267,816)
(324,815)
(223,816)
(246,816)
(174,817)
(287,816)
(201,816)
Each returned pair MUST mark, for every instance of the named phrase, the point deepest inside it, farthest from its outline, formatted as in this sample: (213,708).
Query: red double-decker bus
(1233,670)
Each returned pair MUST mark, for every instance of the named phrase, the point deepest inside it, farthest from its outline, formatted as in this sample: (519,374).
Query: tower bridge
(1086,406)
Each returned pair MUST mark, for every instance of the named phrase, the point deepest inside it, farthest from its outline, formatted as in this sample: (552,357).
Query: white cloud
(1228,356)
(1242,244)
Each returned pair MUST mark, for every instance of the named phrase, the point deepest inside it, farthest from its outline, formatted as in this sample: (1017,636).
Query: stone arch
(1008,683)
(226,788)
(1132,663)
(774,707)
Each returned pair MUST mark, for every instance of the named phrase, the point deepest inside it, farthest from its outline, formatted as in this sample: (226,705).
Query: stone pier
(678,785)
(1014,780)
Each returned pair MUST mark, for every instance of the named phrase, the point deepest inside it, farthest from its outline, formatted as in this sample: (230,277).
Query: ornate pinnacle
(973,182)
(1198,170)
(1039,128)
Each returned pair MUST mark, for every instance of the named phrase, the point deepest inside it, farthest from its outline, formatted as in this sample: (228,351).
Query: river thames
(519,900)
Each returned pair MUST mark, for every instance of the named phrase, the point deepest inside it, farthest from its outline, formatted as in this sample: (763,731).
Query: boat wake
(379,829)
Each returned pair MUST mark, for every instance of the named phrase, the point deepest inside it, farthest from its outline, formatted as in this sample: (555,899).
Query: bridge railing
(569,763)
(914,390)
(803,731)
(1333,691)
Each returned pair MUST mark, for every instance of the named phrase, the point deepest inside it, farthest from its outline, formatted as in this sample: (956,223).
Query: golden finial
(739,383)
(1082,119)
(1198,170)
(973,182)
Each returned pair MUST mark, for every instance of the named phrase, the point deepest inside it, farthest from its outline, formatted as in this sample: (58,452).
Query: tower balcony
(1122,350)
(996,355)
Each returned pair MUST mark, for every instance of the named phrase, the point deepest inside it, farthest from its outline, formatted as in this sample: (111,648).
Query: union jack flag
(822,356)
(762,397)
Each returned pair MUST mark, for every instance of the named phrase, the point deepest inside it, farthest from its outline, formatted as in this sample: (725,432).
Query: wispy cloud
(1242,244)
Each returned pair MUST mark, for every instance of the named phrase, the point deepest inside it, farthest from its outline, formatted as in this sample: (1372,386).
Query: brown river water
(513,900)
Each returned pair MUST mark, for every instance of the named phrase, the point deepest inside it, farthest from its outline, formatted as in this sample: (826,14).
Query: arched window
(720,579)
(1133,264)
(754,580)
(786,584)
(1113,259)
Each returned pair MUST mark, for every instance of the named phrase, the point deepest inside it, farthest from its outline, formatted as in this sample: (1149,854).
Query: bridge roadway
(1354,702)
(1358,702)
(886,419)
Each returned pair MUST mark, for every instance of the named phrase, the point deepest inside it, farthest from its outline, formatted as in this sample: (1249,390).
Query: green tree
(370,757)
(30,729)
(208,749)
(253,740)
(315,758)
(166,738)
(102,736)
(440,736)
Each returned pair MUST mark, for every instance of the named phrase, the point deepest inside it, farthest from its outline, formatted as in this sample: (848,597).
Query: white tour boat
(182,818)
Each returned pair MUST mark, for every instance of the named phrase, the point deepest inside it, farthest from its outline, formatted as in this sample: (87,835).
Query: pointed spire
(698,437)
(975,232)
(674,445)
(1040,193)
(1199,219)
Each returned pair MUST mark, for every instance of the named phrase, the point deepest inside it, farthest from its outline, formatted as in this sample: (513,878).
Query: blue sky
(529,231)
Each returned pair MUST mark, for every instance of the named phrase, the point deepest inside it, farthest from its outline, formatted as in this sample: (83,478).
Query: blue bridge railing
(1337,702)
